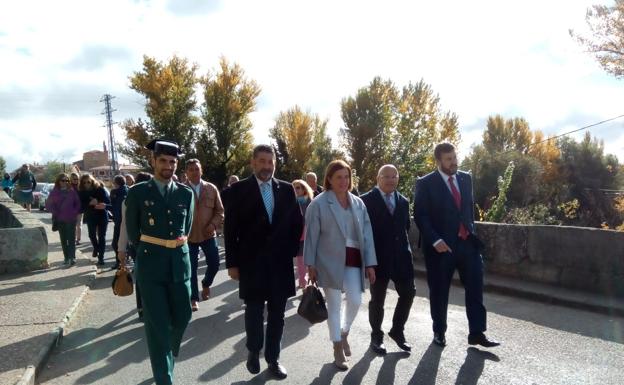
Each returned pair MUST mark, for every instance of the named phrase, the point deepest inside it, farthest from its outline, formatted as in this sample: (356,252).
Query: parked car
(44,194)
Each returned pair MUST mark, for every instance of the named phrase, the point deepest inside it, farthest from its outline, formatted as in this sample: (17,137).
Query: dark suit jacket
(262,251)
(436,214)
(390,232)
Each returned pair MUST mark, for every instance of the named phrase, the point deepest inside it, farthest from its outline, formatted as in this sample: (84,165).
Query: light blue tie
(266,197)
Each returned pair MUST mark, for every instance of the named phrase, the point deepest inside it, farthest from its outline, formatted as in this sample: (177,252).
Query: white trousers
(339,320)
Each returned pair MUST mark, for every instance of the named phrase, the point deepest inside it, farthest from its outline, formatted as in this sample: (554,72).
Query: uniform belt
(168,243)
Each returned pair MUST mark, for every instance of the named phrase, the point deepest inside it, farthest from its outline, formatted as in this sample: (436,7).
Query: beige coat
(208,210)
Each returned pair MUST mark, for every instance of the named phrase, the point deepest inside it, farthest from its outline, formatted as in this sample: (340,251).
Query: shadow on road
(473,365)
(608,328)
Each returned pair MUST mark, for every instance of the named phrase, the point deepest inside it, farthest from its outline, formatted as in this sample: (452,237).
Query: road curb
(54,337)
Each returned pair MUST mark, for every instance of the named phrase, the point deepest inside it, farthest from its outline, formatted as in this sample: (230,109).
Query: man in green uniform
(159,214)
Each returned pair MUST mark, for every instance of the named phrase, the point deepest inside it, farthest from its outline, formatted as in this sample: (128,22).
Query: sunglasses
(297,187)
(64,180)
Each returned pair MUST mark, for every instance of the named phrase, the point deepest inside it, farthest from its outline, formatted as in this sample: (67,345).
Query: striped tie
(266,197)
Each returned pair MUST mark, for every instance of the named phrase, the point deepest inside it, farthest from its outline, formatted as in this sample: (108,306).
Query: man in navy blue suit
(444,214)
(389,215)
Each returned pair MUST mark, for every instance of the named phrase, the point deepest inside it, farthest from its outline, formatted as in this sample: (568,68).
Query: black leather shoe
(277,370)
(481,339)
(439,339)
(253,363)
(400,341)
(378,347)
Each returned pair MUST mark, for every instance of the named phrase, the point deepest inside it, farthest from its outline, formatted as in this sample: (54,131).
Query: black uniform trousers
(406,291)
(440,269)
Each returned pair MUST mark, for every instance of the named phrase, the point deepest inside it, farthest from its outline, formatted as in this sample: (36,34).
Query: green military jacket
(148,213)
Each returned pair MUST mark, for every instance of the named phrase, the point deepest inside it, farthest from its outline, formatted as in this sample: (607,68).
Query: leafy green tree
(52,168)
(421,124)
(587,173)
(226,143)
(170,106)
(369,118)
(323,152)
(606,36)
(2,167)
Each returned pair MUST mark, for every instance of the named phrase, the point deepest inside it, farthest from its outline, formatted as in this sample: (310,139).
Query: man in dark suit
(263,224)
(311,179)
(389,215)
(444,213)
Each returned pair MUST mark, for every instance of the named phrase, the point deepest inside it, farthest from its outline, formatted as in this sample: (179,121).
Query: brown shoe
(339,358)
(194,305)
(205,294)
(345,344)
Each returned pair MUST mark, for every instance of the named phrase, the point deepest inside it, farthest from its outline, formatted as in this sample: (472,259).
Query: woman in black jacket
(95,201)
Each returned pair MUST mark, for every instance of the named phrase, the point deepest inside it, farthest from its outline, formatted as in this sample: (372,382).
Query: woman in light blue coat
(339,252)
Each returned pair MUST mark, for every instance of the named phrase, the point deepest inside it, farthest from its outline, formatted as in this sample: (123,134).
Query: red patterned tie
(463,233)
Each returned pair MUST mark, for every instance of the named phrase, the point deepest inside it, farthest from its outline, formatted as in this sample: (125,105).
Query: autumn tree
(420,124)
(605,39)
(323,152)
(170,106)
(507,134)
(229,98)
(369,118)
(302,143)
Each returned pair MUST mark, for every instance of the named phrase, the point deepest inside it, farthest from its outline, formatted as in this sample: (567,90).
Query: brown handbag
(312,306)
(122,283)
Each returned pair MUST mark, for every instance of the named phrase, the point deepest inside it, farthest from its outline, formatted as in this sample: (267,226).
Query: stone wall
(23,239)
(572,257)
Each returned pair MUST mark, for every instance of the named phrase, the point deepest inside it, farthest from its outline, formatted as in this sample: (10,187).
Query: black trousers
(96,227)
(440,269)
(406,291)
(254,326)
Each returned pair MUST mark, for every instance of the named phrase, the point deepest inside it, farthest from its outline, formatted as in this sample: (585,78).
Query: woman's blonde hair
(307,190)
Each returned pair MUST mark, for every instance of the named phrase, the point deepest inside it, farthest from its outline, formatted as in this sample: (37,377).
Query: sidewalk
(34,308)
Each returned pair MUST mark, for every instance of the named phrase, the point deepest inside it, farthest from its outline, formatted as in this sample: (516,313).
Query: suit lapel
(335,208)
(276,202)
(381,201)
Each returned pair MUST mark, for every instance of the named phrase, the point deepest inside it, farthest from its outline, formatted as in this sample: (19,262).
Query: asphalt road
(542,344)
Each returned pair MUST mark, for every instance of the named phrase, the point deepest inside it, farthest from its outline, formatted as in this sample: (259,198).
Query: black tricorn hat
(164,147)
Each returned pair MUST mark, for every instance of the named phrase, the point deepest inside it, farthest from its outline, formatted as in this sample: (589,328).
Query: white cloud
(482,57)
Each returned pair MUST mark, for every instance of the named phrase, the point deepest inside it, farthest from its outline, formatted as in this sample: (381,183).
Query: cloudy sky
(483,57)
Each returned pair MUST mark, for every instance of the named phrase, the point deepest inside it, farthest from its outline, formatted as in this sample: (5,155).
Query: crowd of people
(279,236)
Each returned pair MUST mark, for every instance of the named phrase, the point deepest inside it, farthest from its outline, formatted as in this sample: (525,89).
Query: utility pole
(108,112)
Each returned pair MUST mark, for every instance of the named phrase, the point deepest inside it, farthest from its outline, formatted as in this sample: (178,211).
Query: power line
(568,133)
